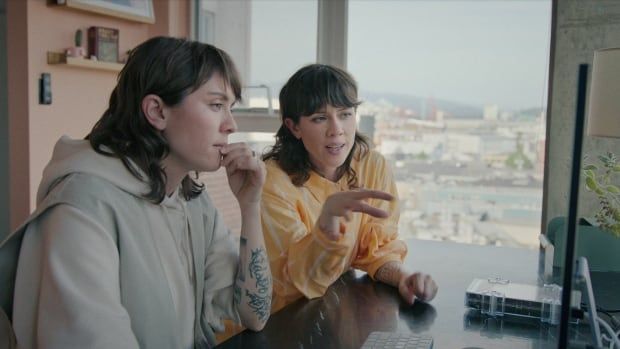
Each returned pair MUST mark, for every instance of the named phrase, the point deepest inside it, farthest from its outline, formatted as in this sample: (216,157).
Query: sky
(476,52)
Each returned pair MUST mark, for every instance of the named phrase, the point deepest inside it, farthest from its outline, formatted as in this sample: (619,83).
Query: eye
(346,115)
(216,106)
(318,118)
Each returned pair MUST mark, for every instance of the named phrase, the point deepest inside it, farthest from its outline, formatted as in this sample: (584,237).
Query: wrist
(328,222)
(250,207)
(391,273)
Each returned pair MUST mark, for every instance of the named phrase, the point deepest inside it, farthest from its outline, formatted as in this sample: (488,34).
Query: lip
(219,147)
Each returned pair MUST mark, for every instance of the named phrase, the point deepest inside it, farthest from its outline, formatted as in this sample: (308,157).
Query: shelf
(248,121)
(61,58)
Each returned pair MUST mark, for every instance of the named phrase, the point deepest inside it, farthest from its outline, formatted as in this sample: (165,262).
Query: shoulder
(278,183)
(375,157)
(84,190)
(94,199)
(276,175)
(372,160)
(274,170)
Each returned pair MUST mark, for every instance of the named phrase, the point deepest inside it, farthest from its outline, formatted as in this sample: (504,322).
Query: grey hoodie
(98,266)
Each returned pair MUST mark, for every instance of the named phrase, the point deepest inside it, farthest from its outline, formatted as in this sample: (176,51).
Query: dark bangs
(315,86)
(216,62)
(201,62)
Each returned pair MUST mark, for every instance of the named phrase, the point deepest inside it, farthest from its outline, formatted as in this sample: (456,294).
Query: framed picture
(135,10)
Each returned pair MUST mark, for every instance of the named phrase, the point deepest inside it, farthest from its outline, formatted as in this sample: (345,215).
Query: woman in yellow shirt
(329,202)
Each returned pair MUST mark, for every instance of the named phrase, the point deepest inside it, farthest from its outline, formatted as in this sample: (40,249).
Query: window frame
(332,24)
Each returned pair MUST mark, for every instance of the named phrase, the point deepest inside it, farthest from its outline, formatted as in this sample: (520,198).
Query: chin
(211,168)
(208,167)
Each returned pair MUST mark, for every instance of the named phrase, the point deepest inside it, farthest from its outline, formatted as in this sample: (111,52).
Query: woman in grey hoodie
(125,249)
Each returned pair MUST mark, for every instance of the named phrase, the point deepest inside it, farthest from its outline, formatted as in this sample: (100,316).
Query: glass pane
(268,40)
(455,96)
(283,39)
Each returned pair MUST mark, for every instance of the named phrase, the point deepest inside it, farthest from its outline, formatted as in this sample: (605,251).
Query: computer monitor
(576,271)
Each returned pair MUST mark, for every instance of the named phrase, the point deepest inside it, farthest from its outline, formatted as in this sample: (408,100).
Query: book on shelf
(103,44)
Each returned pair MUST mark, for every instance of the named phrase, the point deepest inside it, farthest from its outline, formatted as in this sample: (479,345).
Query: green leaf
(616,168)
(612,189)
(589,174)
(591,167)
(591,184)
(615,229)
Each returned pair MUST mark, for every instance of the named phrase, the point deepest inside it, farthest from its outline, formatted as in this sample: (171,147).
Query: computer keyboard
(385,340)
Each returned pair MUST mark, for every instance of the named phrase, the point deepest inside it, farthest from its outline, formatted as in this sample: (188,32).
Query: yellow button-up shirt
(303,261)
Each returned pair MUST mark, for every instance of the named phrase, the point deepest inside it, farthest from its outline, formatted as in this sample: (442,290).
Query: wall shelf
(61,58)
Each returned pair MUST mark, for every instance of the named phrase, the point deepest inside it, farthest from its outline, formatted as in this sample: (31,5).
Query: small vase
(76,52)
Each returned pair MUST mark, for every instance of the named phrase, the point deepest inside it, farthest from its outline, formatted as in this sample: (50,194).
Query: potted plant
(77,50)
(600,180)
(598,241)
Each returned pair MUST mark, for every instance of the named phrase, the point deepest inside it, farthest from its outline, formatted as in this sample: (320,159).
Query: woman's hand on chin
(246,173)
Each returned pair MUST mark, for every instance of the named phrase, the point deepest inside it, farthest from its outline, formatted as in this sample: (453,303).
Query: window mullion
(332,25)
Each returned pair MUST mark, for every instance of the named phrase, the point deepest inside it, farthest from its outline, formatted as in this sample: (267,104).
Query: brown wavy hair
(172,69)
(310,89)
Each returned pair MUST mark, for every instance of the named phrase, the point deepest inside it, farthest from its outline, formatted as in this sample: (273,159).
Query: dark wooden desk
(354,306)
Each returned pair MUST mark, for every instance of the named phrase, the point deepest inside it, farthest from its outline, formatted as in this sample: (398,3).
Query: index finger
(370,194)
(233,146)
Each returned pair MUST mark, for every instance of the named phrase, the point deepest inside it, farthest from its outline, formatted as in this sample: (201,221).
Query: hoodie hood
(77,156)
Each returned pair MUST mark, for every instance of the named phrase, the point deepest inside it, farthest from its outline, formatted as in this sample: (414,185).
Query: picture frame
(134,10)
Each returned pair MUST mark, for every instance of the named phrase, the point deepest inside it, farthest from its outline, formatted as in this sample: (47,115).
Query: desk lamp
(603,121)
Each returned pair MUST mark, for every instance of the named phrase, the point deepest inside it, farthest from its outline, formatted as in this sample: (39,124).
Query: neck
(173,177)
(332,176)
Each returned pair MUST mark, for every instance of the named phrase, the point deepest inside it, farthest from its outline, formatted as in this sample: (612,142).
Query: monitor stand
(584,283)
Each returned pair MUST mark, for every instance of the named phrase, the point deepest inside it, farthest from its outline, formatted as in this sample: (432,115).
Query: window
(268,40)
(455,97)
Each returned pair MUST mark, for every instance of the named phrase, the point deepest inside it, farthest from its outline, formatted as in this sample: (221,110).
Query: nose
(228,124)
(334,127)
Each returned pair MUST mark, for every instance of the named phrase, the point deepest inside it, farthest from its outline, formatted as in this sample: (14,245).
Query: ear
(153,110)
(290,124)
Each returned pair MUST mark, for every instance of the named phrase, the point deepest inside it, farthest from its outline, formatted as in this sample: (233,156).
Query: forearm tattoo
(260,301)
(389,273)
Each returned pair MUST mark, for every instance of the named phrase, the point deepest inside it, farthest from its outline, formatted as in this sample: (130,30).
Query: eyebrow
(219,94)
(322,110)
